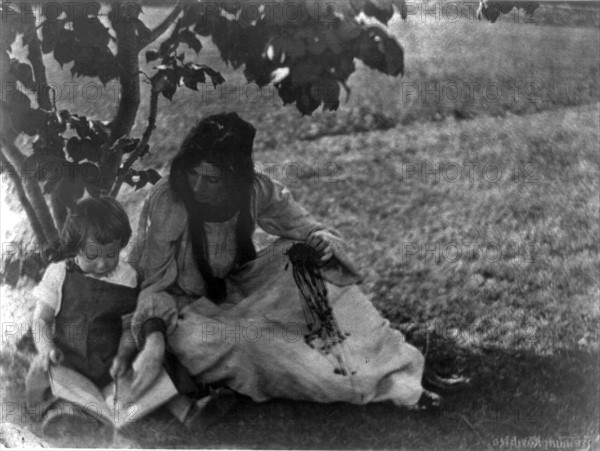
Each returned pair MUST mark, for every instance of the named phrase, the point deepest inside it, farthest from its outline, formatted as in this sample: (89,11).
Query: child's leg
(67,420)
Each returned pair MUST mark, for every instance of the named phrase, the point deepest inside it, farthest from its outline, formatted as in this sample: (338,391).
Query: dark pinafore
(88,329)
(89,326)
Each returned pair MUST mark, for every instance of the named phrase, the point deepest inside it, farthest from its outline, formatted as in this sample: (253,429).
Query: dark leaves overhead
(151,55)
(85,42)
(188,37)
(165,81)
(139,179)
(309,54)
(491,10)
(23,73)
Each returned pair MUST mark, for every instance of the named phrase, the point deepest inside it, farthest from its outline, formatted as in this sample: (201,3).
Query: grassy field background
(474,217)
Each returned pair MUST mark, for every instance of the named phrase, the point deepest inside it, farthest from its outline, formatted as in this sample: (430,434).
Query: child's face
(99,259)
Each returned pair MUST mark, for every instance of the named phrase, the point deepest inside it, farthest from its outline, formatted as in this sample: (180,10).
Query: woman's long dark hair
(225,141)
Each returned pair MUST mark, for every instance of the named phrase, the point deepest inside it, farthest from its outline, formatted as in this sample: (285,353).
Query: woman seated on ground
(234,316)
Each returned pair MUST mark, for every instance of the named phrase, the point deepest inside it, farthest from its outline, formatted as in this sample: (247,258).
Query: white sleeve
(125,275)
(49,290)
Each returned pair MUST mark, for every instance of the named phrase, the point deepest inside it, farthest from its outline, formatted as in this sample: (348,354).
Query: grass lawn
(476,223)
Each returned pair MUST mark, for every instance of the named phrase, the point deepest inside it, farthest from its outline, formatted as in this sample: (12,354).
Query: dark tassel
(324,332)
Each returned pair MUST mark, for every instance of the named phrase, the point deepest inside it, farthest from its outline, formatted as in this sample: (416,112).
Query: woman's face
(207,183)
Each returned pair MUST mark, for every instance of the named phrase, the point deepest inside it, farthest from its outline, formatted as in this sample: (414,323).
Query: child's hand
(50,354)
(119,367)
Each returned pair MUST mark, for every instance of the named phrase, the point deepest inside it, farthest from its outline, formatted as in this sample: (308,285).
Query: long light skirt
(255,342)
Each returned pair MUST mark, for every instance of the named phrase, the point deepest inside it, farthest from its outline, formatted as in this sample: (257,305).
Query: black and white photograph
(300,224)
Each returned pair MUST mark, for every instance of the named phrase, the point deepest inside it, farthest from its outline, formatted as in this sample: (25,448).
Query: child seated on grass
(80,305)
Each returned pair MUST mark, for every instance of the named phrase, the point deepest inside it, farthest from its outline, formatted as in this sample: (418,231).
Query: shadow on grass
(514,395)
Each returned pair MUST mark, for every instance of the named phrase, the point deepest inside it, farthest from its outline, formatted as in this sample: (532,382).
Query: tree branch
(133,156)
(39,69)
(164,25)
(129,80)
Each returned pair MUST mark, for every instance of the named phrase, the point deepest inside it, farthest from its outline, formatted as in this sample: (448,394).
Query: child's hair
(103,219)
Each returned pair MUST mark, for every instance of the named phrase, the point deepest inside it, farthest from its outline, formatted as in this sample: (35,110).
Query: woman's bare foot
(428,401)
(453,382)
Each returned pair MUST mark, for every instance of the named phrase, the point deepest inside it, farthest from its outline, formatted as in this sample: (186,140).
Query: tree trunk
(33,191)
(36,226)
(129,79)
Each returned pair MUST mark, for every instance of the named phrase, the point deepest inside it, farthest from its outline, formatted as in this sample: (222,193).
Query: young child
(80,305)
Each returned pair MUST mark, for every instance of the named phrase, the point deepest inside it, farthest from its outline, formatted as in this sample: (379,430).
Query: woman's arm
(279,214)
(126,352)
(162,223)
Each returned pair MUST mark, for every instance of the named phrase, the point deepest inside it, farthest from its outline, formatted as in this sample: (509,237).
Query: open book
(76,388)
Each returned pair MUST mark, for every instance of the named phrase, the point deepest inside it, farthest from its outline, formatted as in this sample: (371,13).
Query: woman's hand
(148,364)
(321,241)
(50,354)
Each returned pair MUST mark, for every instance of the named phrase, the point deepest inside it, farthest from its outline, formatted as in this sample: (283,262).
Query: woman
(233,316)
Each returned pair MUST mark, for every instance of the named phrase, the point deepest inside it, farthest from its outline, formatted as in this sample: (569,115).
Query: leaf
(306,104)
(379,51)
(23,73)
(153,176)
(394,57)
(168,46)
(382,10)
(71,186)
(165,82)
(108,69)
(151,55)
(193,74)
(294,48)
(288,91)
(326,90)
(215,76)
(343,67)
(100,132)
(316,45)
(142,181)
(131,178)
(65,47)
(305,71)
(333,41)
(91,176)
(192,12)
(91,33)
(188,37)
(52,11)
(51,30)
(207,24)
(280,74)
(83,149)
(81,125)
